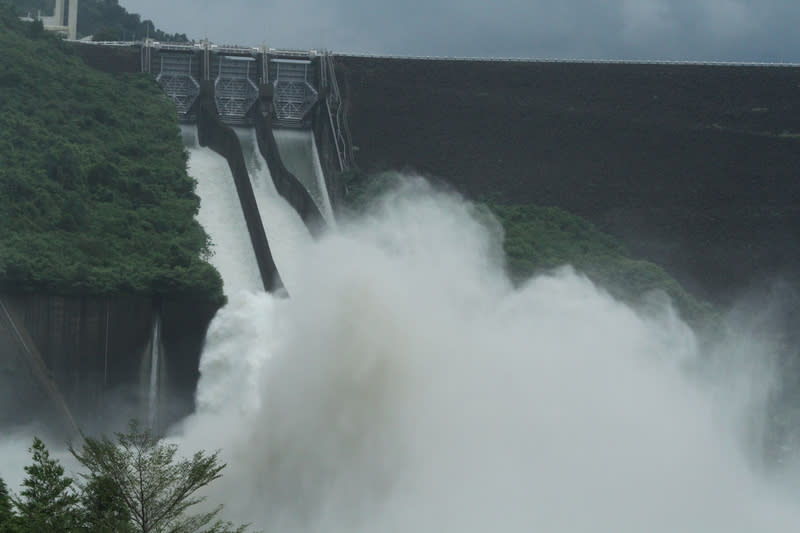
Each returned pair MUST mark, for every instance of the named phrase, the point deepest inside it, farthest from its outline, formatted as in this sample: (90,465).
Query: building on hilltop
(63,21)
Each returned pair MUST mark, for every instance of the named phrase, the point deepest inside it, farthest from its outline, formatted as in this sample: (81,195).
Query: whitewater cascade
(221,216)
(155,369)
(408,386)
(286,232)
(298,151)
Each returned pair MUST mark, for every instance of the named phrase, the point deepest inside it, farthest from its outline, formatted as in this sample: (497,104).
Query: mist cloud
(414,389)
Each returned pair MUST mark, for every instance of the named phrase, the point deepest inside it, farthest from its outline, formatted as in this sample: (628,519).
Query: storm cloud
(704,30)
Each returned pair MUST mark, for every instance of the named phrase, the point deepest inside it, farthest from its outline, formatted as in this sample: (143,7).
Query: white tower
(56,22)
(72,19)
(58,13)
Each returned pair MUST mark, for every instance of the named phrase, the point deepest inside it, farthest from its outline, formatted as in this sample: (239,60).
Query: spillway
(298,151)
(221,216)
(286,232)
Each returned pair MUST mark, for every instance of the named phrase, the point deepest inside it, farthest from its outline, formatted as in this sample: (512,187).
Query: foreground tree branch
(155,490)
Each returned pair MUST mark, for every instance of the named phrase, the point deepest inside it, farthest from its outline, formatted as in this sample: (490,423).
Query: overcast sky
(719,30)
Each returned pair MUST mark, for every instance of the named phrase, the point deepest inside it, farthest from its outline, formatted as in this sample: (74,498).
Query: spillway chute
(221,215)
(298,151)
(288,235)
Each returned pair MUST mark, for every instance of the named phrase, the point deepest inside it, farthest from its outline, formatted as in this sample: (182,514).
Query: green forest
(94,193)
(131,483)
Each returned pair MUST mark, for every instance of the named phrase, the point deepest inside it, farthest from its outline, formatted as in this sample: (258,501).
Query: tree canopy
(133,483)
(6,513)
(94,193)
(48,501)
(154,488)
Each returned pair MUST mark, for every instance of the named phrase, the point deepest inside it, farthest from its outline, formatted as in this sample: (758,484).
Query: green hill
(94,193)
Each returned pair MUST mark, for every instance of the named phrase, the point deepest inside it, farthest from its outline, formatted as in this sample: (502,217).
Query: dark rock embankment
(694,167)
(27,389)
(82,355)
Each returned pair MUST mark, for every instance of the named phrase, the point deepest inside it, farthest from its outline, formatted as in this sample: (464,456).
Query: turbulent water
(221,216)
(285,230)
(407,386)
(298,151)
(153,378)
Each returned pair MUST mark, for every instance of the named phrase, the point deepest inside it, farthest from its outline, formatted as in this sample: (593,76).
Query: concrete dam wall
(691,166)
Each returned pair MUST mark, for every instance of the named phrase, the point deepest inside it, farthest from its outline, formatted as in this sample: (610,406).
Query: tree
(48,501)
(7,518)
(106,34)
(156,490)
(36,28)
(104,507)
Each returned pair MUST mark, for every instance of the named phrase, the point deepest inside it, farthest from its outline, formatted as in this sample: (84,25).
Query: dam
(406,382)
(689,165)
(405,377)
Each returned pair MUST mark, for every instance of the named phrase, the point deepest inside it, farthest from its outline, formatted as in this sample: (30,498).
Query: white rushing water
(155,367)
(407,386)
(298,151)
(221,216)
(286,233)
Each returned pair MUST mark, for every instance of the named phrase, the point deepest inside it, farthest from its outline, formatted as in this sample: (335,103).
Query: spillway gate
(294,90)
(236,73)
(178,73)
(298,79)
(235,87)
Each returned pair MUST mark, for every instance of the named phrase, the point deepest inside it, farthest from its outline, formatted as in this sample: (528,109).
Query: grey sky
(724,30)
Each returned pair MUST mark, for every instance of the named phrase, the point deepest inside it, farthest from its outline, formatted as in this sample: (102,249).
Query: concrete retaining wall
(91,349)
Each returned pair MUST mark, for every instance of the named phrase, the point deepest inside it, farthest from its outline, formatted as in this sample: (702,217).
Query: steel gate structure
(235,87)
(294,93)
(177,76)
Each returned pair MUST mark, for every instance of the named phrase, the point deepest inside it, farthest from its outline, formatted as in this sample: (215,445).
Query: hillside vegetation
(94,193)
(538,239)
